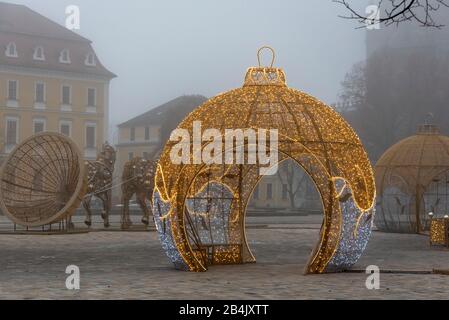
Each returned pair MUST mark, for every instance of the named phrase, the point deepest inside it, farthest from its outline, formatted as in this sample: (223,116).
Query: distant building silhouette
(145,135)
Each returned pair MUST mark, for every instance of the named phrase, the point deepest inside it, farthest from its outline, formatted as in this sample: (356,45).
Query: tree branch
(397,11)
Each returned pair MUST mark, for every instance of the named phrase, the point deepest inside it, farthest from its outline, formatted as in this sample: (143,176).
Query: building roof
(29,29)
(21,19)
(176,108)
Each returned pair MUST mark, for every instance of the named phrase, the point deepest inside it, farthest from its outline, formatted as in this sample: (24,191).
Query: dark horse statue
(99,183)
(137,178)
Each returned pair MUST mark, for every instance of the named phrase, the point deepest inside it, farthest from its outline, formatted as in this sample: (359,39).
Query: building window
(11,50)
(90,136)
(269,191)
(39,54)
(64,56)
(12,89)
(66,95)
(284,192)
(90,60)
(65,127)
(39,125)
(91,97)
(147,133)
(256,193)
(130,155)
(12,132)
(132,134)
(40,92)
(152,133)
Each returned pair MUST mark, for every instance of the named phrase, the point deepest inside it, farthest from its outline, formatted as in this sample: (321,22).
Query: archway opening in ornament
(216,212)
(284,216)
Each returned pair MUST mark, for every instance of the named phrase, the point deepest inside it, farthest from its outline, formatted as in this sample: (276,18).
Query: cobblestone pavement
(131,265)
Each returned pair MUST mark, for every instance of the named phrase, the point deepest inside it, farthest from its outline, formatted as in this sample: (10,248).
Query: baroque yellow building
(50,80)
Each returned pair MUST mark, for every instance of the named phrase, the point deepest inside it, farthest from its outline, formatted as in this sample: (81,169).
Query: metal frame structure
(43,181)
(199,209)
(137,179)
(412,180)
(100,183)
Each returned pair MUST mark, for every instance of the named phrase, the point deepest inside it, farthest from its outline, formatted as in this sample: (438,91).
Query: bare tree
(353,95)
(293,178)
(397,11)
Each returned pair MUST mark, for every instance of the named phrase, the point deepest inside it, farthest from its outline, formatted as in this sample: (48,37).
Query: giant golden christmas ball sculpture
(199,208)
(413,180)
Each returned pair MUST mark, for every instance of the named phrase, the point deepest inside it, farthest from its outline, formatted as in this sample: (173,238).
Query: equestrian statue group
(137,179)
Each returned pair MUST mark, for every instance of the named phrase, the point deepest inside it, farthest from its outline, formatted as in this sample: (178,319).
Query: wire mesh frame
(42,180)
(436,196)
(403,205)
(200,224)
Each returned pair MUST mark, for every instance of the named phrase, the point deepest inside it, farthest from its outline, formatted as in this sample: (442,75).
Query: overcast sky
(161,49)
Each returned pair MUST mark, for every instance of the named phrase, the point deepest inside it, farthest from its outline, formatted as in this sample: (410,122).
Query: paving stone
(132,265)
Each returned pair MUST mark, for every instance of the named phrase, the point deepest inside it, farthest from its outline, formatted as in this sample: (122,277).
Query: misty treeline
(386,97)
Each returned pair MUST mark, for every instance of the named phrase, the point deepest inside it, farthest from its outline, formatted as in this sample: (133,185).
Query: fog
(163,49)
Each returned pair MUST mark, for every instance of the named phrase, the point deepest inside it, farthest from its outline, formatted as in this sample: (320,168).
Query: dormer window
(90,60)
(11,50)
(39,54)
(64,57)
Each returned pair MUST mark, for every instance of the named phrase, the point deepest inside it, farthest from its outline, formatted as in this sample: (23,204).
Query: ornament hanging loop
(273,55)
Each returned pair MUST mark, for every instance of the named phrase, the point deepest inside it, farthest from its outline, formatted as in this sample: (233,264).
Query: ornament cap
(429,129)
(264,76)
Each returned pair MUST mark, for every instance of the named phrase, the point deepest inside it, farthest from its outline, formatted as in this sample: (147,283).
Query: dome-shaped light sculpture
(42,180)
(412,179)
(199,206)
